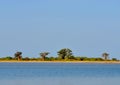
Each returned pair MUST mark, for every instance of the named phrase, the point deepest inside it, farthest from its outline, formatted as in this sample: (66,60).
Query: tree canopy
(65,53)
(105,56)
(18,55)
(44,54)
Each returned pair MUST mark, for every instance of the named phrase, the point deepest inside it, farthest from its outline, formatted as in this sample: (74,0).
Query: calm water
(59,74)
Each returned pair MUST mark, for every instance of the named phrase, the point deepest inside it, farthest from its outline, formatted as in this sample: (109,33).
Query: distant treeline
(64,54)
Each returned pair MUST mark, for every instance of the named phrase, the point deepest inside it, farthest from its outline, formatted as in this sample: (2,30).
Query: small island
(65,55)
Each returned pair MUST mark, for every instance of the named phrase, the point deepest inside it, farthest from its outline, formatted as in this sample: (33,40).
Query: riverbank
(101,62)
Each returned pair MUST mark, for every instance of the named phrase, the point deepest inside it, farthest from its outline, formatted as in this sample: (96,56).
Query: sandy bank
(102,62)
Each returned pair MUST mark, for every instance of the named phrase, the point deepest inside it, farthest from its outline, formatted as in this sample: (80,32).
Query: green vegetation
(114,59)
(64,54)
(6,58)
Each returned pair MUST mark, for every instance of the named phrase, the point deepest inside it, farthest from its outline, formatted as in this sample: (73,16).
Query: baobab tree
(105,56)
(43,55)
(64,53)
(18,55)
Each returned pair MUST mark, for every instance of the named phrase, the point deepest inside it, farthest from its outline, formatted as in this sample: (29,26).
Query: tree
(8,58)
(65,53)
(26,58)
(18,55)
(105,56)
(114,59)
(43,55)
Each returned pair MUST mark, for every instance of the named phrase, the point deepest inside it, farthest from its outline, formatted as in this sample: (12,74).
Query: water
(59,74)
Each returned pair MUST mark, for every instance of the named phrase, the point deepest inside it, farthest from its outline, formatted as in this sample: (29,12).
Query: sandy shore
(102,62)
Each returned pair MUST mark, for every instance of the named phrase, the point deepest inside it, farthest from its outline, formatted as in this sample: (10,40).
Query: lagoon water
(59,74)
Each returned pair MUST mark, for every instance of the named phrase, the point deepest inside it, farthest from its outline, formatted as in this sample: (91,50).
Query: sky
(87,27)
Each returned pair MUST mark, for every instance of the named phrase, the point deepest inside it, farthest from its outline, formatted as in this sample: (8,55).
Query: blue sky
(87,27)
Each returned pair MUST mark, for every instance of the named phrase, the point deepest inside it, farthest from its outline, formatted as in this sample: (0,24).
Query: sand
(101,62)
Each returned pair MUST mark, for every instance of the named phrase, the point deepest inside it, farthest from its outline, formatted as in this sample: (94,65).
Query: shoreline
(97,62)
